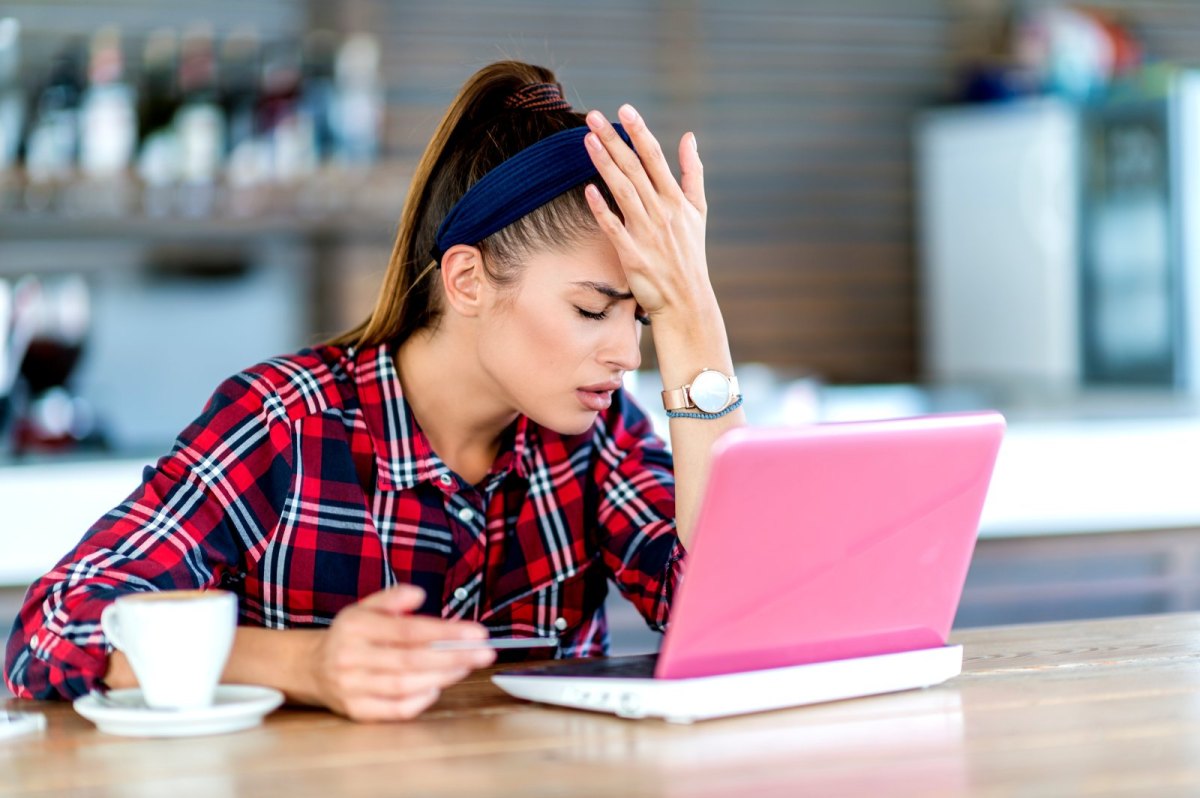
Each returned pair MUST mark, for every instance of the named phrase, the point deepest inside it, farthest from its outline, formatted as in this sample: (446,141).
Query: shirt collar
(403,455)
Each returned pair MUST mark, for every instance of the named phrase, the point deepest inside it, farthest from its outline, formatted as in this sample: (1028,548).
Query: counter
(1099,708)
(1064,468)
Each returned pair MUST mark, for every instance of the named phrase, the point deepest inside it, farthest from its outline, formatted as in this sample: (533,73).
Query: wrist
(683,312)
(686,344)
(279,658)
(302,657)
(119,673)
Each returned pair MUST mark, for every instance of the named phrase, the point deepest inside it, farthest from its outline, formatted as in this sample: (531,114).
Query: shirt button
(461,594)
(446,480)
(33,642)
(561,624)
(466,514)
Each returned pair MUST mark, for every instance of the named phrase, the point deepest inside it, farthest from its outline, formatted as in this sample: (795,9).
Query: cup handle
(110,626)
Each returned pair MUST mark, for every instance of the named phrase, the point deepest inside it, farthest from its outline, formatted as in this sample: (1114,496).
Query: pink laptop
(827,563)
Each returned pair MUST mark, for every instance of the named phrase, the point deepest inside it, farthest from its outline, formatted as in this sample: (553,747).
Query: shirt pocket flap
(550,607)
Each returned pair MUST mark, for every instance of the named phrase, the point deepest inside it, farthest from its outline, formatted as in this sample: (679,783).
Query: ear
(463,279)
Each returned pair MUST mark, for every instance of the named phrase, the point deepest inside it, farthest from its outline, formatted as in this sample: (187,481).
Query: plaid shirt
(306,484)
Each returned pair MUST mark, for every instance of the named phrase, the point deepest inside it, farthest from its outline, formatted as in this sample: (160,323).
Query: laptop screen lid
(830,541)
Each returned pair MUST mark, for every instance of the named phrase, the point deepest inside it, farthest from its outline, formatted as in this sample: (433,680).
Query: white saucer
(235,707)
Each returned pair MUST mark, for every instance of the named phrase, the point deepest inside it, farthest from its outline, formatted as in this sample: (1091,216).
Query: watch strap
(677,399)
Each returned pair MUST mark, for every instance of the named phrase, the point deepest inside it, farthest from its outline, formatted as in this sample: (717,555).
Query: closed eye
(602,315)
(587,314)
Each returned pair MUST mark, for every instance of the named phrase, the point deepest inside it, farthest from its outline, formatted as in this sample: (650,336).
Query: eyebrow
(606,289)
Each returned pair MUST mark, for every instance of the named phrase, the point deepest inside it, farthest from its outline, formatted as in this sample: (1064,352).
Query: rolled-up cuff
(672,573)
(52,666)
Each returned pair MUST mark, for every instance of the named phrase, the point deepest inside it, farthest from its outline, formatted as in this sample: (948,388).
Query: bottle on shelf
(12,96)
(316,141)
(358,110)
(108,123)
(158,100)
(318,89)
(108,129)
(51,150)
(199,122)
(238,70)
(285,121)
(248,153)
(12,111)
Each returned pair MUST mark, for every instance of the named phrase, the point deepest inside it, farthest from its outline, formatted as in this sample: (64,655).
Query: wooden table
(1095,707)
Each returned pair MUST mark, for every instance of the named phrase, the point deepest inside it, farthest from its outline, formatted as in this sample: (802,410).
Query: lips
(597,397)
(595,400)
(603,387)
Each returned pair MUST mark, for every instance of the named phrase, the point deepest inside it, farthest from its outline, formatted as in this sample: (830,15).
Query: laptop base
(701,698)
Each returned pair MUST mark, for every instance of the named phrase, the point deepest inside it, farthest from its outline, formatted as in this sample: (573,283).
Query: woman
(465,463)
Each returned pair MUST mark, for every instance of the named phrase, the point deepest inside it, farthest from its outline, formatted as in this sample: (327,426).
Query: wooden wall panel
(802,109)
(802,114)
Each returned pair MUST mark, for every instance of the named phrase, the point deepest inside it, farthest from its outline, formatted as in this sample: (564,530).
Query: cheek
(543,346)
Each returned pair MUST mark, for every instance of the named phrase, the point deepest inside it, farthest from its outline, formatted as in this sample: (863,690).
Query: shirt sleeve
(191,522)
(636,511)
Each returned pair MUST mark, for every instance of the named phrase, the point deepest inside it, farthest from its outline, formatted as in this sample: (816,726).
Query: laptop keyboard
(638,667)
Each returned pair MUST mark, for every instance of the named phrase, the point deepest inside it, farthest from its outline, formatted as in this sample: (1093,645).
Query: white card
(497,643)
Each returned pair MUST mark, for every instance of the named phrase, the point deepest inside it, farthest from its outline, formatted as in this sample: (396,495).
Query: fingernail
(595,119)
(628,112)
(695,146)
(592,192)
(484,658)
(592,141)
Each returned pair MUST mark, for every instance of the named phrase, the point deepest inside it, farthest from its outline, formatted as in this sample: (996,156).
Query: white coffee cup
(177,642)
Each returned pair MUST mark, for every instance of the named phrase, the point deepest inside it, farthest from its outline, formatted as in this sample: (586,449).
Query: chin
(567,424)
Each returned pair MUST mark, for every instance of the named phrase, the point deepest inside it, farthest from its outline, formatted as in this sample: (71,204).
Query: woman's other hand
(375,663)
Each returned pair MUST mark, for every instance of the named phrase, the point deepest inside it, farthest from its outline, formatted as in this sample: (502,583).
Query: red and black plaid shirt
(306,485)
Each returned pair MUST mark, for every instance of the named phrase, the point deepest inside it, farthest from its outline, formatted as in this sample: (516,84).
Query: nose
(624,349)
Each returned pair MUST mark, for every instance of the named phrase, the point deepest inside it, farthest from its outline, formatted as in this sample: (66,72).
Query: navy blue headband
(523,183)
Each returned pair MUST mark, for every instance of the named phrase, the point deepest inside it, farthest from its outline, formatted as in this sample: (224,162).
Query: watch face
(710,391)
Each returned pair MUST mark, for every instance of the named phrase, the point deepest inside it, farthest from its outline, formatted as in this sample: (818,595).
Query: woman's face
(558,342)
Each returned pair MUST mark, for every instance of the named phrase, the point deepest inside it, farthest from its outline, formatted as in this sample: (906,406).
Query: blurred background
(915,205)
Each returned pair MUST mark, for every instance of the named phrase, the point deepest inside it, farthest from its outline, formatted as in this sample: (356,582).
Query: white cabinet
(998,218)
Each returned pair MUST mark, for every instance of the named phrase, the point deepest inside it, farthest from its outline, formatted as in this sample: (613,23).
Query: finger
(384,709)
(628,198)
(410,630)
(621,169)
(398,686)
(397,659)
(611,225)
(398,599)
(693,173)
(649,151)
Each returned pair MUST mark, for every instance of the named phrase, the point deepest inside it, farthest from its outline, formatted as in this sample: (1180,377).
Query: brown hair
(475,135)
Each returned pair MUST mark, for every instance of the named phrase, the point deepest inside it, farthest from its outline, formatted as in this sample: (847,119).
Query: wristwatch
(709,392)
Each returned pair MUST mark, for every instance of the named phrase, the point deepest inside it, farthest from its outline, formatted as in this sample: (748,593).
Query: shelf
(332,205)
(36,227)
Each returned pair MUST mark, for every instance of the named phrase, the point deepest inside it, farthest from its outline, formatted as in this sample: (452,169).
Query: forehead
(594,260)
